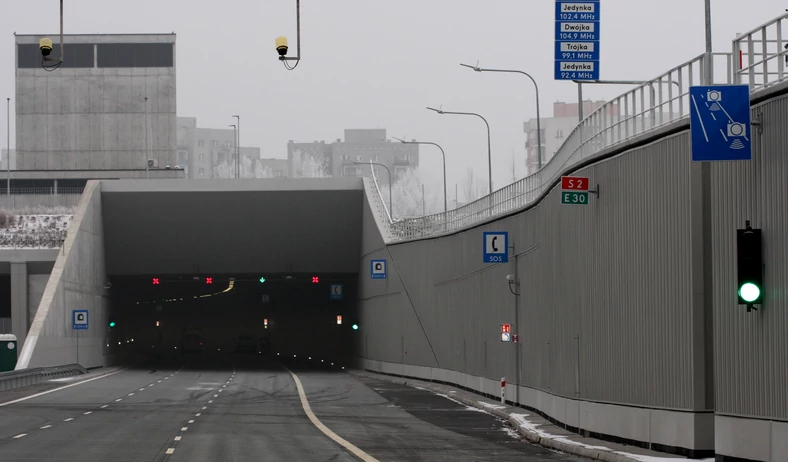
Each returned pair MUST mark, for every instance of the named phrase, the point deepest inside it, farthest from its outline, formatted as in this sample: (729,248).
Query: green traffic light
(355,326)
(262,280)
(749,292)
(112,324)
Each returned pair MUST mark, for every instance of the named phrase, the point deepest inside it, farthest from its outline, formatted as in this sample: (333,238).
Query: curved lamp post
(538,116)
(391,208)
(443,153)
(489,151)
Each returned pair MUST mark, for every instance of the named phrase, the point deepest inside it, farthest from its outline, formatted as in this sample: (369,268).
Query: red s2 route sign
(574,183)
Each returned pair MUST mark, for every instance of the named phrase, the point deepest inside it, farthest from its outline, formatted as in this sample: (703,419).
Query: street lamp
(391,208)
(489,151)
(234,132)
(281,42)
(538,116)
(445,202)
(238,148)
(8,155)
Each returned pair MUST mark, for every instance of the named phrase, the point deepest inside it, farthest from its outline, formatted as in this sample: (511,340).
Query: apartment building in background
(91,113)
(210,153)
(555,129)
(351,156)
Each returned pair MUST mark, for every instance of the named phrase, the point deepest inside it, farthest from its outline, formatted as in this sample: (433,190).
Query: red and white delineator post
(503,390)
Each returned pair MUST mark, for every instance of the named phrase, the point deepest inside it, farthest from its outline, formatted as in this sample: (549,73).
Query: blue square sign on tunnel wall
(377,269)
(336,291)
(79,319)
(720,122)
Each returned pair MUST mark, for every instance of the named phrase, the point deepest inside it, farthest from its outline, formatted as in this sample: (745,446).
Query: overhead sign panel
(720,123)
(577,37)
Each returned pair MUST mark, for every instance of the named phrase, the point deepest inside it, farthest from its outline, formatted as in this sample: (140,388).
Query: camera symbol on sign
(714,96)
(736,129)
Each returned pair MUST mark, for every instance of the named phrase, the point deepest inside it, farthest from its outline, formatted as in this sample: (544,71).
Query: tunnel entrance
(249,314)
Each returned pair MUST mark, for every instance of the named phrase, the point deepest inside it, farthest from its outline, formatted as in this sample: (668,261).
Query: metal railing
(31,199)
(761,55)
(25,377)
(37,239)
(654,104)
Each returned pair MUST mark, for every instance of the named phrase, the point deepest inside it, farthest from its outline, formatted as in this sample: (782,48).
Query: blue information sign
(495,246)
(79,319)
(720,123)
(377,269)
(336,291)
(577,35)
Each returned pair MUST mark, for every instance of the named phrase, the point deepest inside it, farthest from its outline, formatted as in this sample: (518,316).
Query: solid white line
(102,407)
(88,413)
(58,389)
(20,435)
(69,419)
(184,429)
(170,451)
(45,427)
(700,119)
(177,438)
(327,431)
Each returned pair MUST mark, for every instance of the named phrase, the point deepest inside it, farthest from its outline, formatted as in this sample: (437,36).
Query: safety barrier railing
(761,55)
(25,377)
(656,103)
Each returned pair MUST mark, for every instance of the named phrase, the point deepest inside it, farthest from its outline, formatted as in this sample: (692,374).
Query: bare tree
(310,165)
(469,187)
(409,199)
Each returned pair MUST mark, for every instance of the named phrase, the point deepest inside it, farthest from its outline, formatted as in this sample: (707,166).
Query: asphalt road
(245,409)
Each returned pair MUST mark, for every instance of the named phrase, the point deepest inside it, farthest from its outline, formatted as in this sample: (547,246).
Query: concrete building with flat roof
(110,105)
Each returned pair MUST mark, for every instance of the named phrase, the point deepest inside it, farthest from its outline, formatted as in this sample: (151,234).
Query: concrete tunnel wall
(77,282)
(615,339)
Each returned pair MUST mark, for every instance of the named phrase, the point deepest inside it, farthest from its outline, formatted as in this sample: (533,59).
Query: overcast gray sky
(376,64)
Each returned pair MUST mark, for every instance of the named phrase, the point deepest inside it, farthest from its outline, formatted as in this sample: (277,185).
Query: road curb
(533,437)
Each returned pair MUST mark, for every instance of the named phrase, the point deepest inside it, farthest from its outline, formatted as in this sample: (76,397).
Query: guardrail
(25,377)
(761,55)
(37,198)
(656,103)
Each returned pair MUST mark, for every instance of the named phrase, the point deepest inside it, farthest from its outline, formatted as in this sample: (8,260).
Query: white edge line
(700,119)
(58,389)
(327,431)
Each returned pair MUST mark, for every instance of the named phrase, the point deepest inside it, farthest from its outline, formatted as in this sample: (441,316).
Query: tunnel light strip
(230,287)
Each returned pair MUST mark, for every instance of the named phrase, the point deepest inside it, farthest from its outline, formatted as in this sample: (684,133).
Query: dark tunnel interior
(275,316)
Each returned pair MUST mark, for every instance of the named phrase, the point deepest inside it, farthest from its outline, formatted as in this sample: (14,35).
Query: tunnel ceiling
(223,227)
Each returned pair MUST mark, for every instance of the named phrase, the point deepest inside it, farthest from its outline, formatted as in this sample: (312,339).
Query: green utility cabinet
(8,352)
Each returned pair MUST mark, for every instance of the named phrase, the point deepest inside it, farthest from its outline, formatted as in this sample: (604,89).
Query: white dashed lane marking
(131,394)
(204,408)
(198,414)
(177,438)
(69,419)
(20,435)
(170,451)
(191,421)
(184,429)
(45,427)
(102,407)
(141,389)
(118,400)
(88,413)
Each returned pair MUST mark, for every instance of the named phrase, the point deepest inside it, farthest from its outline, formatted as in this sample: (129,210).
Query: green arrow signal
(262,279)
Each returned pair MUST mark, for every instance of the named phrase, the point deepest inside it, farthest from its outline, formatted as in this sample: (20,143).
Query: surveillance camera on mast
(281,46)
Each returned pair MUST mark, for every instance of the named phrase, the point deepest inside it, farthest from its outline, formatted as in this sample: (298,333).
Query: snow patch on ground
(512,432)
(467,408)
(491,406)
(39,231)
(533,428)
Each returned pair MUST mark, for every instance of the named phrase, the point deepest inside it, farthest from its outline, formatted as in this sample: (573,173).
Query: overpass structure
(626,309)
